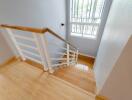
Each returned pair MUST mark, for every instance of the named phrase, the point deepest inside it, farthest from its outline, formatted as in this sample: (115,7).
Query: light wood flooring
(80,75)
(22,81)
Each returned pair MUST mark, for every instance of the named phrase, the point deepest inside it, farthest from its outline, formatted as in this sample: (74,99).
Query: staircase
(53,53)
(43,46)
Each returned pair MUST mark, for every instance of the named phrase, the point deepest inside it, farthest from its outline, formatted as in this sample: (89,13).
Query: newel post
(46,53)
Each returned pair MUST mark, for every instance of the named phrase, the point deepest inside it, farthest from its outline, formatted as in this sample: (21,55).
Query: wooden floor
(80,75)
(89,61)
(21,81)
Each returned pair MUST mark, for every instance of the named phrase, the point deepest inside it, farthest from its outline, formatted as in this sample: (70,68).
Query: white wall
(5,51)
(89,46)
(117,31)
(34,13)
(119,84)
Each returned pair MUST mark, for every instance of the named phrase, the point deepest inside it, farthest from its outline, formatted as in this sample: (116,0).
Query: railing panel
(66,53)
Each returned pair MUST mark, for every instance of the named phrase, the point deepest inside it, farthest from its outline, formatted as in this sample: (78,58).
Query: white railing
(50,54)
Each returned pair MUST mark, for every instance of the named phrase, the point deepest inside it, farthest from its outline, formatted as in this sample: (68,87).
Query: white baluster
(76,56)
(39,44)
(45,48)
(15,44)
(68,55)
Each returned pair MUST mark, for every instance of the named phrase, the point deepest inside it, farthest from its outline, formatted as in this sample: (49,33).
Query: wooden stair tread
(77,76)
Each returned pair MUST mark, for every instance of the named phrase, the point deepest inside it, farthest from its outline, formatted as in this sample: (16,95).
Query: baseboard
(14,58)
(33,63)
(86,55)
(8,61)
(100,97)
(82,56)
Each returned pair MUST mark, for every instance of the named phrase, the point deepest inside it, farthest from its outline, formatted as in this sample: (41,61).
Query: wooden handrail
(58,36)
(23,28)
(36,30)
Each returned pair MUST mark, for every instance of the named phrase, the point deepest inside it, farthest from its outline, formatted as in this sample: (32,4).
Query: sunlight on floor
(82,67)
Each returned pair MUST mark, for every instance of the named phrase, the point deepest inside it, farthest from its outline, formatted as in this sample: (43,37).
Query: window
(85,17)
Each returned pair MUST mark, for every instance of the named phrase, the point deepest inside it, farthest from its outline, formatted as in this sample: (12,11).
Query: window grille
(85,17)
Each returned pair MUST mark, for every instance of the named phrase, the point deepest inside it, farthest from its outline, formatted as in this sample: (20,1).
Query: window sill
(84,37)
